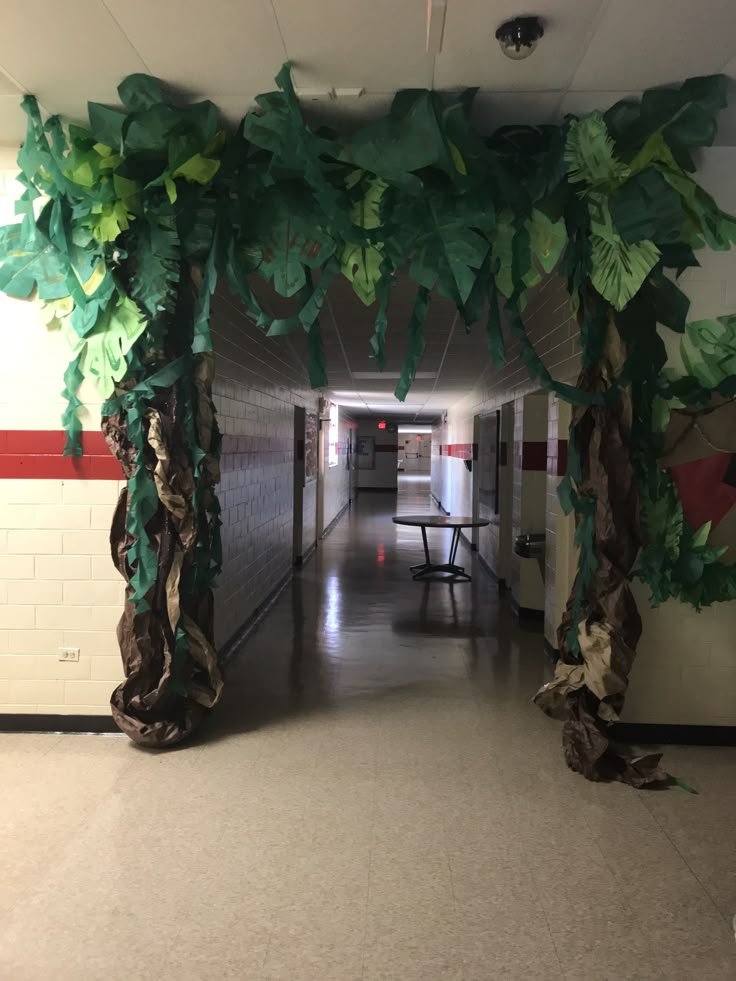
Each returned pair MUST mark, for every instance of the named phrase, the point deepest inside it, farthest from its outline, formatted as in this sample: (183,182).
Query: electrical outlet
(68,653)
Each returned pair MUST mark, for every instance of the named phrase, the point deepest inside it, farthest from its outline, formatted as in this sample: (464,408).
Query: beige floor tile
(380,803)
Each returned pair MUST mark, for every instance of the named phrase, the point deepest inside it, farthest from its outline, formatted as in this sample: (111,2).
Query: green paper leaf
(589,155)
(661,413)
(378,340)
(669,303)
(106,124)
(647,207)
(198,169)
(548,239)
(70,422)
(290,239)
(311,308)
(443,236)
(103,351)
(708,350)
(361,265)
(30,262)
(139,92)
(108,221)
(684,115)
(620,269)
(415,348)
(409,139)
(700,537)
(157,267)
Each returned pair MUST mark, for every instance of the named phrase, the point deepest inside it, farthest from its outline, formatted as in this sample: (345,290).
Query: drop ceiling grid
(593,52)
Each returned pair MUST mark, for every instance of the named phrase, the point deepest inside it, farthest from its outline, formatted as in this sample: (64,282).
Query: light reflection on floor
(376,800)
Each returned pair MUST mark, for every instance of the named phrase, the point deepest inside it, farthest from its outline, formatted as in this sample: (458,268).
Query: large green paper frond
(589,154)
(620,269)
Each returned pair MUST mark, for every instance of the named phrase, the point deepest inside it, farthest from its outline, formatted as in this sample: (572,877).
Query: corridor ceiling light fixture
(378,375)
(436,11)
(519,37)
(415,429)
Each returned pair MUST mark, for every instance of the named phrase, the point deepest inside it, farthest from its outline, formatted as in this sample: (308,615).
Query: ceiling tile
(7,86)
(471,55)
(222,48)
(658,42)
(12,121)
(580,103)
(380,45)
(346,114)
(71,49)
(491,110)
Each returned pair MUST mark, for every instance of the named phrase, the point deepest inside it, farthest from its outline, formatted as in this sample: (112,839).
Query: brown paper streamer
(589,694)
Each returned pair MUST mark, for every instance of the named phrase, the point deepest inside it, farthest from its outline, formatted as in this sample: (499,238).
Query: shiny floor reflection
(376,799)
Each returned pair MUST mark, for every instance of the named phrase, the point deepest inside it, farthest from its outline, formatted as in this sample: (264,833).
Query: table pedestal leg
(446,572)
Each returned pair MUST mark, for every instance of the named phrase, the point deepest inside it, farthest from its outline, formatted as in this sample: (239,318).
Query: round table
(446,571)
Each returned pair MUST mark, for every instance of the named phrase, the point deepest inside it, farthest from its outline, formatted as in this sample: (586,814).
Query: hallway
(376,799)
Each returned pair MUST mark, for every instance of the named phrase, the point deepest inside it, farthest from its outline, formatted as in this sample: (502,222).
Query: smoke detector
(519,37)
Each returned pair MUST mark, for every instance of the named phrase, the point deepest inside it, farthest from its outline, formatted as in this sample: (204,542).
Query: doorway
(300,417)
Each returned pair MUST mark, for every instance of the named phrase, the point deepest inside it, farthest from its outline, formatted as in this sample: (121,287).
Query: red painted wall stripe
(534,455)
(461,451)
(561,457)
(36,454)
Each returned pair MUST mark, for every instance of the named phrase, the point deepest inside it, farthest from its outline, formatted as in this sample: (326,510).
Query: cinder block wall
(257,385)
(560,550)
(686,666)
(529,496)
(58,586)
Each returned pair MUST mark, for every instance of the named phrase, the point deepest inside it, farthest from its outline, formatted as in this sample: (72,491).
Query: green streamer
(71,425)
(378,340)
(494,330)
(415,348)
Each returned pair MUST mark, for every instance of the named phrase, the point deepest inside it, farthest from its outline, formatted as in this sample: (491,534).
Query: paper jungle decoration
(129,223)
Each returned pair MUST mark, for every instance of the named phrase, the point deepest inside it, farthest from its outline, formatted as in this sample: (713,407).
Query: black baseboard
(337,517)
(526,612)
(379,490)
(230,646)
(301,560)
(438,502)
(101,724)
(95,724)
(652,733)
(500,583)
(486,565)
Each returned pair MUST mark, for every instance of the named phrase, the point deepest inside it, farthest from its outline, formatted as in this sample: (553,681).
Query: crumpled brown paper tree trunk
(587,693)
(171,672)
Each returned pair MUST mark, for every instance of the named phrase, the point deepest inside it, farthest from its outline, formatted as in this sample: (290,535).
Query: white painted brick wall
(58,586)
(258,383)
(686,666)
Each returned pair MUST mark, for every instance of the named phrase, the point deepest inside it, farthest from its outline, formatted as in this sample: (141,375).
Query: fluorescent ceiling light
(378,375)
(415,429)
(436,11)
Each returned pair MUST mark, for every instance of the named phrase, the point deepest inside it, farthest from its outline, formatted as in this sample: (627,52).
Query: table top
(439,521)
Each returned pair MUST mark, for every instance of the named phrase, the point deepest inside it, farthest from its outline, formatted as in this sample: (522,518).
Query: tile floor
(376,799)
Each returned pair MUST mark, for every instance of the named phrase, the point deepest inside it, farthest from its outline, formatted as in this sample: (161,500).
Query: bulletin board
(366,453)
(311,447)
